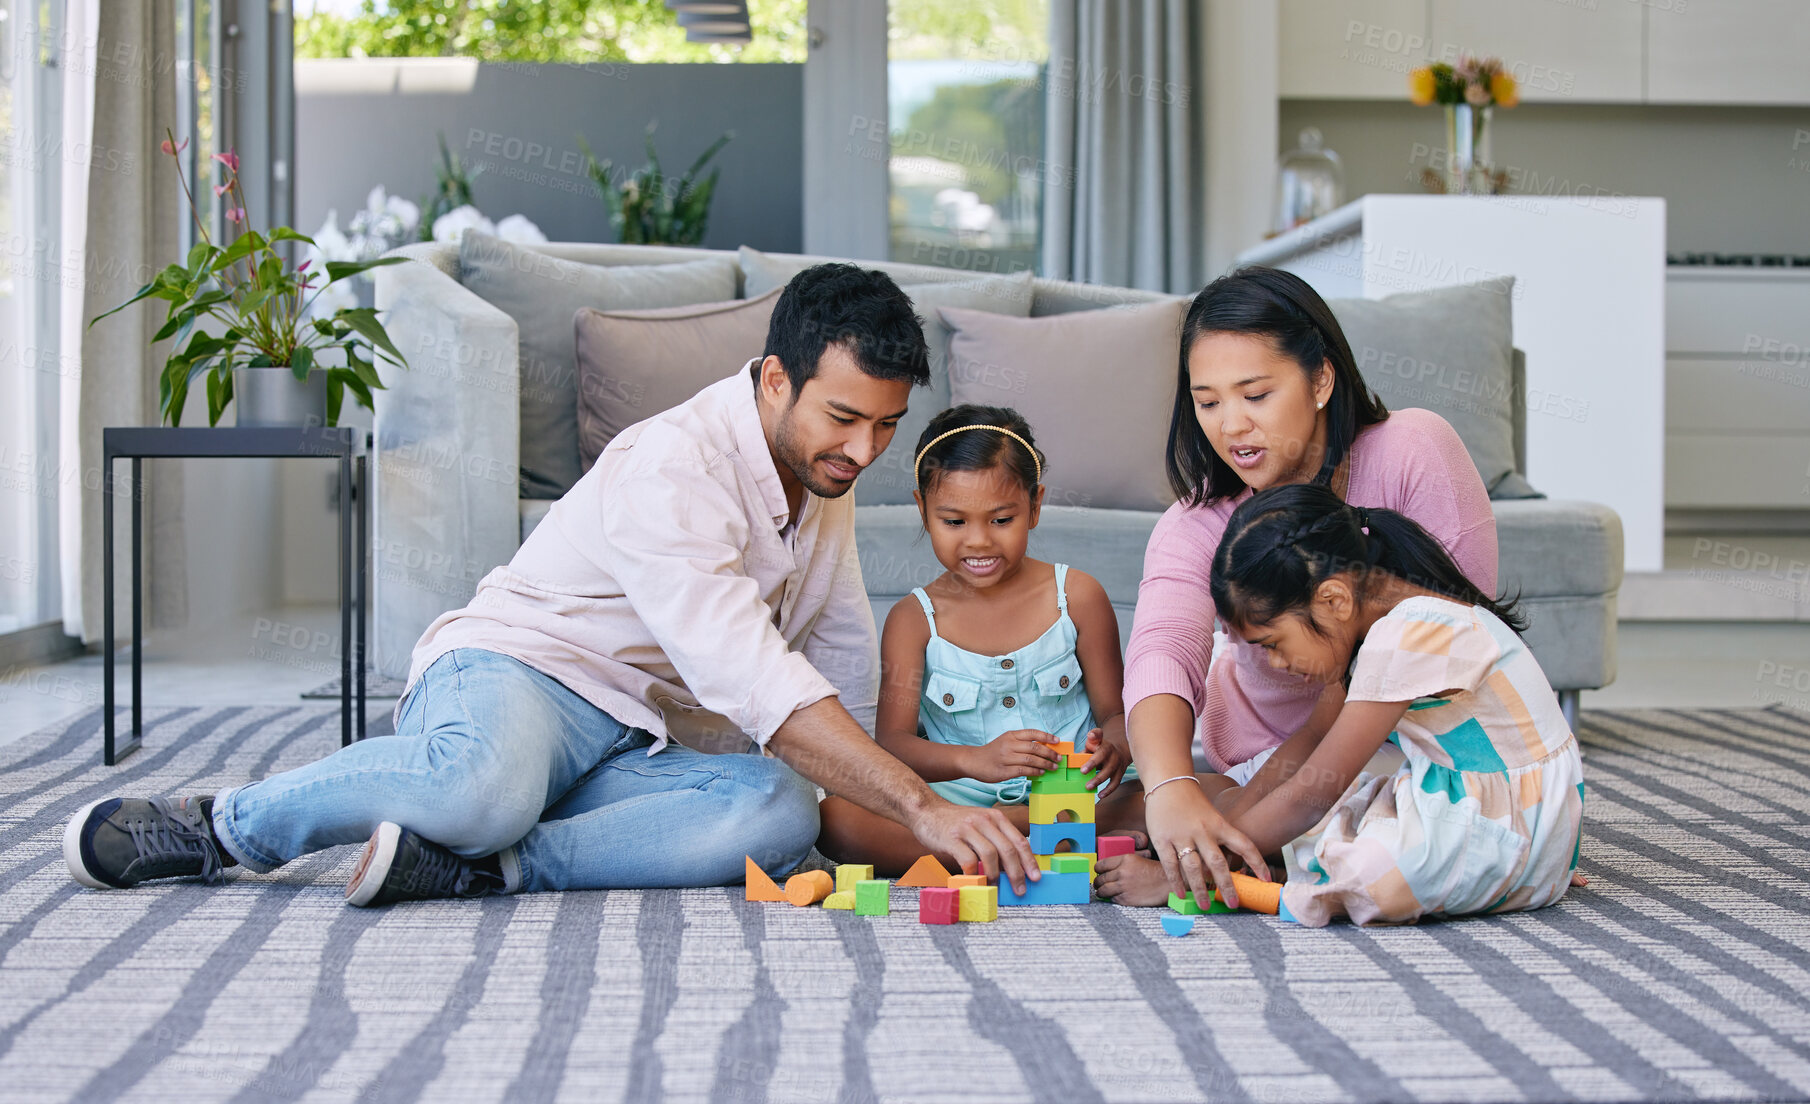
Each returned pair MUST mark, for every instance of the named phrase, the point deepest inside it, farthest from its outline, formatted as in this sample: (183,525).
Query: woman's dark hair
(977,449)
(1282,543)
(859,308)
(1268,303)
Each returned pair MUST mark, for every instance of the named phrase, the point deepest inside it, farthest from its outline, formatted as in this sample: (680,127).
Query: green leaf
(339,270)
(364,320)
(301,361)
(362,369)
(283,233)
(181,320)
(243,246)
(198,258)
(219,393)
(145,292)
(335,395)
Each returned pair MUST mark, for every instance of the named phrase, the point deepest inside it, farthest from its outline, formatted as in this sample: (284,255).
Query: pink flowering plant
(245,305)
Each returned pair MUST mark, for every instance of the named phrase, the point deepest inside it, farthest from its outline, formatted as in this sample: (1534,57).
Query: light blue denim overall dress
(971,698)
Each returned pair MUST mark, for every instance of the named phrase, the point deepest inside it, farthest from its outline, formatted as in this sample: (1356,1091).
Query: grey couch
(448,445)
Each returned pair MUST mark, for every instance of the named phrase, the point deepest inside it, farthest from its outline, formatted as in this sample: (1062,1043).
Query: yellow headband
(963,429)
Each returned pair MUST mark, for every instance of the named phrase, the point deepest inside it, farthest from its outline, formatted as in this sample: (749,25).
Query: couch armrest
(1564,560)
(447,450)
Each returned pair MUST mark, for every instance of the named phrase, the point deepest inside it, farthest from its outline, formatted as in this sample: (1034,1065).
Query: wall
(1732,180)
(366,122)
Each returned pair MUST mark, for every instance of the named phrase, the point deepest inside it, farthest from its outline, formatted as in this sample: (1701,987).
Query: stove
(1737,260)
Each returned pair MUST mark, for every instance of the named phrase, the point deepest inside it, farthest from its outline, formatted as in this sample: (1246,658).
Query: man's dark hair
(859,309)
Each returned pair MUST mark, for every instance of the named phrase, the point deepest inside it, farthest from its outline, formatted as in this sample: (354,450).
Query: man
(700,580)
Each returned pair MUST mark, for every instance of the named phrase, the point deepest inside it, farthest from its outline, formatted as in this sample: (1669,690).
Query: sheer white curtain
(121,207)
(1127,110)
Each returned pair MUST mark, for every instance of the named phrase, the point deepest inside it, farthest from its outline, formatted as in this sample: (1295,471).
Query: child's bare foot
(1131,880)
(1578,881)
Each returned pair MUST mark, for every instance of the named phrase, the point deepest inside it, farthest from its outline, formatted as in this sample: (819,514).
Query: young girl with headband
(997,659)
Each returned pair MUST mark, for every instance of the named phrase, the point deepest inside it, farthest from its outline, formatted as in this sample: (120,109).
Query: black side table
(347,445)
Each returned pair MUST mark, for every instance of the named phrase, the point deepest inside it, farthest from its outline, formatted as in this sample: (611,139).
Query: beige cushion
(633,364)
(542,293)
(887,482)
(1096,386)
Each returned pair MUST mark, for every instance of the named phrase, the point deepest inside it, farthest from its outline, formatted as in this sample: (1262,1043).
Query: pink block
(939,906)
(1115,845)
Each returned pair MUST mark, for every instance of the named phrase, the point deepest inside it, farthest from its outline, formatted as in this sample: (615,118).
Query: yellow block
(1043,861)
(840,900)
(1045,806)
(977,903)
(848,874)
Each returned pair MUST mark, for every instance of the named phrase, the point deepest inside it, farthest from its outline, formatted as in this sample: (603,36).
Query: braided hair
(1282,543)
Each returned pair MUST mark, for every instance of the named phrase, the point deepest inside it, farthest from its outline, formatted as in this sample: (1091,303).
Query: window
(966,108)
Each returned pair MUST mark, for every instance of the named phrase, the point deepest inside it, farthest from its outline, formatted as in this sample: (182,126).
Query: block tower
(1068,875)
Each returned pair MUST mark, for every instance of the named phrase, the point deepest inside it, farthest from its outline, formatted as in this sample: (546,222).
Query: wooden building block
(810,887)
(1117,845)
(978,903)
(760,887)
(1051,889)
(926,872)
(938,905)
(873,897)
(1045,806)
(1046,838)
(848,874)
(1177,925)
(964,881)
(840,901)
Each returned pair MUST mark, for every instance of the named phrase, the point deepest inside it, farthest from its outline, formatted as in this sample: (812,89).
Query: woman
(1267,393)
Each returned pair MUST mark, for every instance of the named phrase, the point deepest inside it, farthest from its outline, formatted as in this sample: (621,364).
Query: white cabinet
(1728,52)
(1582,52)
(1351,49)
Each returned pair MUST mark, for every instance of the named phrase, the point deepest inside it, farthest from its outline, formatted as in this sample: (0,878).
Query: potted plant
(239,317)
(646,208)
(1470,92)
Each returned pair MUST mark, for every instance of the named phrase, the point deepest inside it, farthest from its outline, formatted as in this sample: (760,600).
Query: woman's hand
(1191,839)
(1110,759)
(1016,754)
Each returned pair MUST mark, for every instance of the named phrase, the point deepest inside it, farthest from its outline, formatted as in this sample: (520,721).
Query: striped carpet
(1680,974)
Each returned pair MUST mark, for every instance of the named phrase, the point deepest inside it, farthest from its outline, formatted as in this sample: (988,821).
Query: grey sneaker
(118,842)
(398,865)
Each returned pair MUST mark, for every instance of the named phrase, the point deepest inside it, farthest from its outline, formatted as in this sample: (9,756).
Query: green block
(873,898)
(1072,864)
(1186,905)
(1061,780)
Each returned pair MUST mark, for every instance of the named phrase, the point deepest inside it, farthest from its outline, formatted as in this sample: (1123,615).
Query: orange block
(1257,896)
(810,887)
(1079,759)
(760,887)
(926,873)
(957,881)
(1064,747)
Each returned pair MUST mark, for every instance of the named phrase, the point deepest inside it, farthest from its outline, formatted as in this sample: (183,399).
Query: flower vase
(1468,159)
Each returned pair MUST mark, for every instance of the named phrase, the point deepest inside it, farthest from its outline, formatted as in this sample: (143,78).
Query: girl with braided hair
(1448,783)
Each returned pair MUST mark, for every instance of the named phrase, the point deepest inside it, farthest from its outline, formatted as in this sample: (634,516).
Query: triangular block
(926,873)
(761,887)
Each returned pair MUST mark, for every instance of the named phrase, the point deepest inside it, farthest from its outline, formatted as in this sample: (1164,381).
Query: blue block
(1045,837)
(1177,924)
(1051,889)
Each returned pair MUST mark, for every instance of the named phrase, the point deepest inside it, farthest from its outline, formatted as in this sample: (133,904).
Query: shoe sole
(72,848)
(373,865)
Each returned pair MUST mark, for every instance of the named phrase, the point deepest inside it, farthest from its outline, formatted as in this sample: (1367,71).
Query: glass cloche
(1309,183)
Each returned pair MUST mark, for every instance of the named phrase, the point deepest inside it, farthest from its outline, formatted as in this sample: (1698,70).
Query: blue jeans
(492,757)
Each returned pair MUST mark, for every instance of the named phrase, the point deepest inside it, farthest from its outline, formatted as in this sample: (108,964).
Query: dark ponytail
(1282,543)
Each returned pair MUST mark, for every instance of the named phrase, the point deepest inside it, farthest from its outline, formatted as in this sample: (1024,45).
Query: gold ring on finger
(1184,852)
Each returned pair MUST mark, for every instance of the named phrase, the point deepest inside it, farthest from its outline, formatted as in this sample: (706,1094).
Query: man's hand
(1017,754)
(1110,760)
(983,841)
